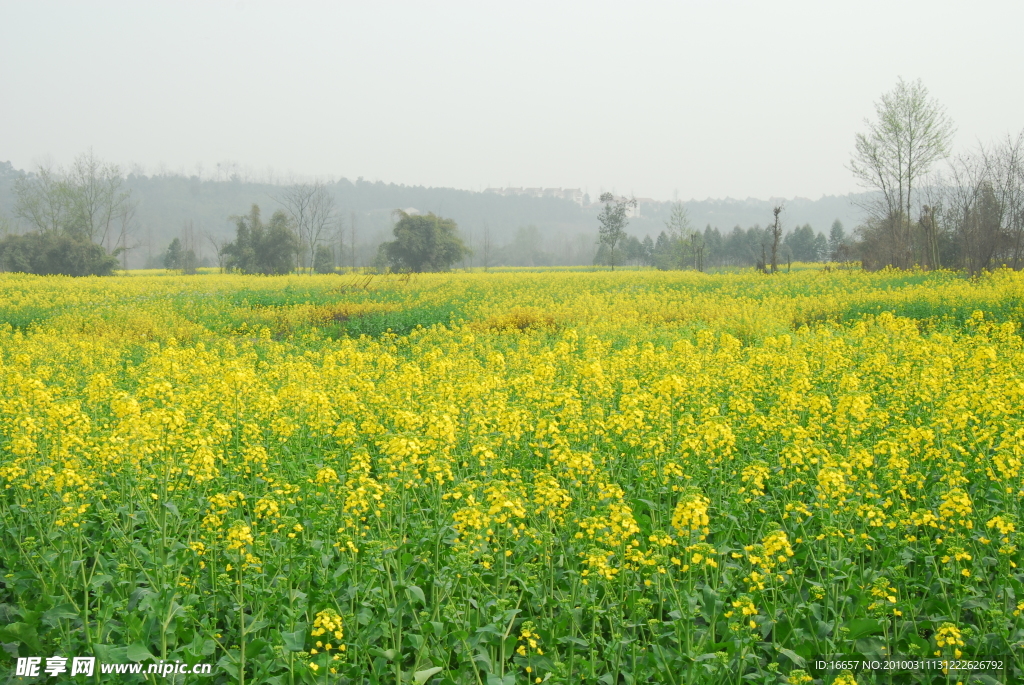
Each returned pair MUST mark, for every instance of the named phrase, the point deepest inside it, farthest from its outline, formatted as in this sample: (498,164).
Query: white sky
(707,99)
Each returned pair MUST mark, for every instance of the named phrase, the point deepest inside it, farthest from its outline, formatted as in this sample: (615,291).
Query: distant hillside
(561,229)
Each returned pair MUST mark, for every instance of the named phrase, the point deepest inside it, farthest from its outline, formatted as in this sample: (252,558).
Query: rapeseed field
(488,479)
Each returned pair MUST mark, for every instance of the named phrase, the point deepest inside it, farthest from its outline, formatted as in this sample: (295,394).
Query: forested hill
(561,228)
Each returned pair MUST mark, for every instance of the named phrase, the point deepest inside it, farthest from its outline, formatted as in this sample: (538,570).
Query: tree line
(680,246)
(967,214)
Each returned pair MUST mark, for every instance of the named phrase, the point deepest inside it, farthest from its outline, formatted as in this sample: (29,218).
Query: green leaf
(53,616)
(255,648)
(922,645)
(21,633)
(100,580)
(108,653)
(509,679)
(420,677)
(417,592)
(793,656)
(229,663)
(253,625)
(294,641)
(137,652)
(860,627)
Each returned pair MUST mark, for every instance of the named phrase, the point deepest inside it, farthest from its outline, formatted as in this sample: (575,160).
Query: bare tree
(189,257)
(488,246)
(1005,166)
(218,249)
(965,196)
(87,200)
(929,224)
(311,206)
(128,227)
(96,197)
(911,133)
(42,199)
(352,228)
(775,233)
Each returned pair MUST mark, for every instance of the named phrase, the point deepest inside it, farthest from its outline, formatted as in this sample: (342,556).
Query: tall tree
(613,220)
(775,235)
(682,236)
(96,197)
(352,238)
(1006,169)
(837,242)
(911,133)
(42,199)
(488,246)
(87,200)
(311,206)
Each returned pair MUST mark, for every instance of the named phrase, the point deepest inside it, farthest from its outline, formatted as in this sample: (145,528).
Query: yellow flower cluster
(948,635)
(328,622)
(691,515)
(529,640)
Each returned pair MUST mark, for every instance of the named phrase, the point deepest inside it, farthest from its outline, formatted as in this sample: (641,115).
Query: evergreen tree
(647,246)
(173,255)
(837,241)
(713,245)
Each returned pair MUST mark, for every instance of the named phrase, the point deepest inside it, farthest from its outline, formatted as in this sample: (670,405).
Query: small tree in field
(424,243)
(173,256)
(613,222)
(775,233)
(323,261)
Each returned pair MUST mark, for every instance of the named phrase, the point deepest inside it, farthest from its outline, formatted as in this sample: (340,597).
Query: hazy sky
(740,99)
